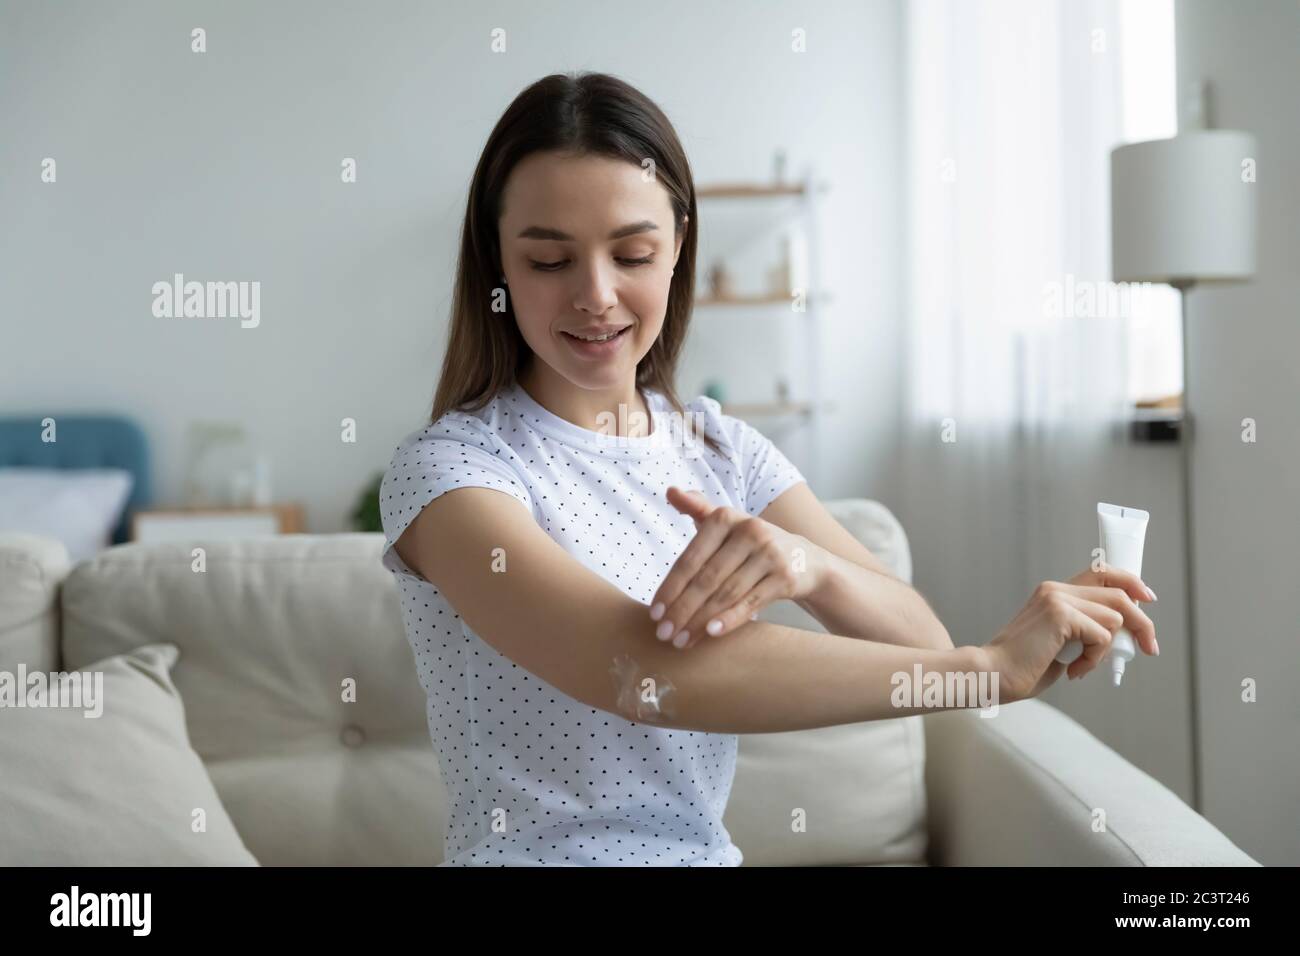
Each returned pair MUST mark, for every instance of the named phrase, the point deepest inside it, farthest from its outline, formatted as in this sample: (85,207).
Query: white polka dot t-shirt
(534,777)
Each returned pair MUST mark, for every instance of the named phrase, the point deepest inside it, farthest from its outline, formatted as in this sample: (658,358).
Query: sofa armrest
(1031,787)
(32,568)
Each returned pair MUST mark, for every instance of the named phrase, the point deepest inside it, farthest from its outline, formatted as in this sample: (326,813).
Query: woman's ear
(680,237)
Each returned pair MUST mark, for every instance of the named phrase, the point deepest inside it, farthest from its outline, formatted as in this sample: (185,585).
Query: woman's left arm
(855,594)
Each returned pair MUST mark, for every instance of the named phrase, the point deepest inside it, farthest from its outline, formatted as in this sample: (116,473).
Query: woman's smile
(588,345)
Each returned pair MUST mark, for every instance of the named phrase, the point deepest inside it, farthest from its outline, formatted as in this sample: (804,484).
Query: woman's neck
(597,410)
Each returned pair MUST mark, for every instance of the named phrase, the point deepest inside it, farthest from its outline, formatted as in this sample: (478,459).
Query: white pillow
(78,506)
(860,787)
(112,781)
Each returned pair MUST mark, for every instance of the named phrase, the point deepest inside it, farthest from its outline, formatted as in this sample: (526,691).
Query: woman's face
(588,247)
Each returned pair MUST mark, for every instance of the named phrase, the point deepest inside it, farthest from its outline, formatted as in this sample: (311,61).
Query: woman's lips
(596,349)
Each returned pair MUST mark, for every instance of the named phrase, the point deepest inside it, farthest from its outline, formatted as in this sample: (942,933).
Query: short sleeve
(453,452)
(765,472)
(768,472)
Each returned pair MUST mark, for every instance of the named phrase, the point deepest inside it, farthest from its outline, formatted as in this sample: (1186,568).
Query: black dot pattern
(534,777)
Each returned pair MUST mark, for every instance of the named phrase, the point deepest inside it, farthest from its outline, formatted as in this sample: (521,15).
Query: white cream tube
(1123,535)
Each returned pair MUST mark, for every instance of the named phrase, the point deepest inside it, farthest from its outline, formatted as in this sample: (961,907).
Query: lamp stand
(1185,440)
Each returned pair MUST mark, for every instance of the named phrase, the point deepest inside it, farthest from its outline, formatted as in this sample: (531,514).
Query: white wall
(225,166)
(1244,343)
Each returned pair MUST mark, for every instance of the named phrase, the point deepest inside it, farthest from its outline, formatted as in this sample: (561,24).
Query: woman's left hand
(736,565)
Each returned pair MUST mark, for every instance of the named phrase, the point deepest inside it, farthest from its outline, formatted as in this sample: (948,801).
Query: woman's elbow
(928,623)
(938,633)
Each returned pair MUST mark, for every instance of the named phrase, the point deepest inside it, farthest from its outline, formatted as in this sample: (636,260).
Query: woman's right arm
(540,607)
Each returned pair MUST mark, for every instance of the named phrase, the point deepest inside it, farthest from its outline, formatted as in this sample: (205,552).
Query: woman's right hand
(1090,607)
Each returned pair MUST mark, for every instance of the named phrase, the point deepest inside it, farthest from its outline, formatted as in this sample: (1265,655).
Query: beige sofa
(262,707)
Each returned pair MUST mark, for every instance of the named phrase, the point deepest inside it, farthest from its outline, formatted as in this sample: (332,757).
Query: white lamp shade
(1182,210)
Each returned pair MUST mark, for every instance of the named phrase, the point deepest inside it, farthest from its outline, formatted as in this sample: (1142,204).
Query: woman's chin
(602,373)
(605,378)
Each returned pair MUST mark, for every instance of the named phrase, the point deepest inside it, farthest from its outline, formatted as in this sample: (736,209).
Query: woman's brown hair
(577,114)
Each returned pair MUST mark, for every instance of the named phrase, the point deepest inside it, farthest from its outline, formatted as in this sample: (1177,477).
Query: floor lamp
(1183,213)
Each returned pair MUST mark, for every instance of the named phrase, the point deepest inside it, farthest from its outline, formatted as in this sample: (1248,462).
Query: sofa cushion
(848,795)
(300,688)
(115,789)
(860,787)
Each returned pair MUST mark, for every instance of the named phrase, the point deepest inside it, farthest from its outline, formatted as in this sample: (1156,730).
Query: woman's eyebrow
(545,232)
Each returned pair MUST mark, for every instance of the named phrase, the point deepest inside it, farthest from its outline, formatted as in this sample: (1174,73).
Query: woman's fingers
(769,589)
(1127,581)
(709,535)
(720,612)
(1091,624)
(1134,618)
(689,502)
(704,582)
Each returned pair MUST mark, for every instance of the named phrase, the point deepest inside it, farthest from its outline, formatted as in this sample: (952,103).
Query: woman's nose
(595,291)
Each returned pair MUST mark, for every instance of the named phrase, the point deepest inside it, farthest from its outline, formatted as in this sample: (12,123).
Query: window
(1155,336)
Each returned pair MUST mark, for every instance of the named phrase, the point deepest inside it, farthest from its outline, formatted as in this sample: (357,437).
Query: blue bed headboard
(83,441)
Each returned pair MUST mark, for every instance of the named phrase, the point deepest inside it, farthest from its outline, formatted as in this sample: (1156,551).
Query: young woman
(580,556)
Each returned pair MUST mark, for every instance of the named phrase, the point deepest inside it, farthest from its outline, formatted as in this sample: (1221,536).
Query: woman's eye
(554,266)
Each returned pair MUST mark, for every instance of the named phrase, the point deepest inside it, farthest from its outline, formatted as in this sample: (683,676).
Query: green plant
(365,516)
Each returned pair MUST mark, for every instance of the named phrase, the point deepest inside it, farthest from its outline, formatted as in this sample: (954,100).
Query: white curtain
(1016,381)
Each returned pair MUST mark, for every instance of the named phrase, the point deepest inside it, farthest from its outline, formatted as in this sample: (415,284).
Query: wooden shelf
(749,190)
(1171,402)
(736,228)
(761,298)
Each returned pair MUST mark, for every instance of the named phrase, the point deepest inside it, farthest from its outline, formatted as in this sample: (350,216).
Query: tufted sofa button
(352,736)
